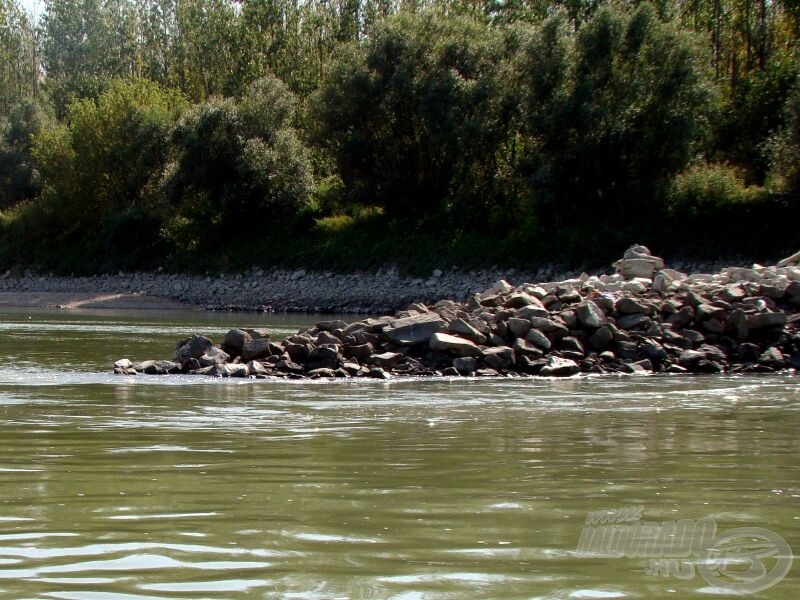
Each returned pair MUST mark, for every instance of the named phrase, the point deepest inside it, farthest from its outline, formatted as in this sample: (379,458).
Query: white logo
(736,560)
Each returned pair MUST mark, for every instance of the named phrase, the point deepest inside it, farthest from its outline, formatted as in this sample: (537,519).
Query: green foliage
(237,164)
(784,150)
(19,177)
(611,112)
(409,118)
(105,161)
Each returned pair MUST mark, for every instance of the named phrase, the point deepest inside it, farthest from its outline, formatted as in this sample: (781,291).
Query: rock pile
(643,319)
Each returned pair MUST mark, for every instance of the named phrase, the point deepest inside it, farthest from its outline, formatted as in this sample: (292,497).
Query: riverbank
(279,290)
(645,318)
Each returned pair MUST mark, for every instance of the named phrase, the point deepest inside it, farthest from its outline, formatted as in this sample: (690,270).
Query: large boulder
(194,347)
(638,262)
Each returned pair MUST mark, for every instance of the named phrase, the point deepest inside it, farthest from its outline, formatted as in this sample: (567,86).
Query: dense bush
(610,113)
(104,162)
(19,176)
(410,117)
(240,167)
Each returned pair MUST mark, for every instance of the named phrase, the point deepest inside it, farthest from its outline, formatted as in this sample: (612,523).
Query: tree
(610,113)
(238,165)
(409,116)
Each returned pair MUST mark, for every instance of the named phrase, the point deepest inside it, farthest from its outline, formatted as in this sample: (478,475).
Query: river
(180,487)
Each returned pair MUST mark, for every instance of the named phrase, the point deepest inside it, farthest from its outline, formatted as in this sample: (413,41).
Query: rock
(331,325)
(160,367)
(123,363)
(465,365)
(637,262)
(237,370)
(559,367)
(530,311)
(461,328)
(630,306)
(737,325)
(500,287)
(378,373)
(766,319)
(732,293)
(214,356)
(444,342)
(324,357)
(633,321)
(590,315)
(321,372)
(255,368)
(520,300)
(794,259)
(256,348)
(326,337)
(235,340)
(386,360)
(360,352)
(500,358)
(194,347)
(538,339)
(572,344)
(601,338)
(417,329)
(772,357)
(526,348)
(518,327)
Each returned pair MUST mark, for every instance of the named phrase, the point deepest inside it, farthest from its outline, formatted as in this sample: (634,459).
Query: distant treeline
(213,134)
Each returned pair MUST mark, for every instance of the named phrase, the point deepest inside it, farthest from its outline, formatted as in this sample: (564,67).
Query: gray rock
(518,327)
(194,347)
(601,338)
(632,321)
(572,344)
(560,367)
(500,358)
(538,339)
(235,340)
(256,348)
(331,325)
(256,368)
(530,311)
(794,259)
(444,342)
(465,365)
(523,347)
(214,356)
(324,357)
(360,352)
(386,360)
(461,328)
(325,337)
(416,329)
(321,372)
(590,315)
(631,306)
(772,357)
(123,363)
(766,319)
(520,300)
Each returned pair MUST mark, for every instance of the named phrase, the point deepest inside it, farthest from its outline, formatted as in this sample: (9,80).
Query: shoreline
(279,290)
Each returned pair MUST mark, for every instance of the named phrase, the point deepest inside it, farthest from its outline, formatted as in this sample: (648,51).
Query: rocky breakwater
(643,319)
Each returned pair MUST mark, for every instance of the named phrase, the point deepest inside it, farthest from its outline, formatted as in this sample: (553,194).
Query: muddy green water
(146,487)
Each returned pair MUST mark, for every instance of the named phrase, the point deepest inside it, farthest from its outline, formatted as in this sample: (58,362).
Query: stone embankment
(643,319)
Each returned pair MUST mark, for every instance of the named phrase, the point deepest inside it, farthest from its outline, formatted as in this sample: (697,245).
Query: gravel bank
(274,290)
